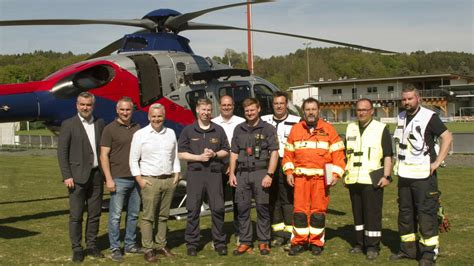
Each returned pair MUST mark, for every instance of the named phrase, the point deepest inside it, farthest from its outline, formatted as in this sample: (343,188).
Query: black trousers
(281,204)
(249,185)
(418,205)
(367,203)
(89,194)
(231,190)
(200,183)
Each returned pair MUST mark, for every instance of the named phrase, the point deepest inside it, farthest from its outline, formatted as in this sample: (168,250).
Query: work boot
(264,249)
(150,255)
(426,262)
(372,254)
(399,256)
(295,250)
(242,248)
(277,242)
(356,250)
(316,250)
(222,250)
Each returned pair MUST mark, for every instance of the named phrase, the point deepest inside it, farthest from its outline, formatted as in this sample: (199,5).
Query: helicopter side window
(265,96)
(239,94)
(135,43)
(192,98)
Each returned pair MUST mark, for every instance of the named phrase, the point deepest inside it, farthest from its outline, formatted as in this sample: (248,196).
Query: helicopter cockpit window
(239,94)
(265,96)
(192,98)
(135,43)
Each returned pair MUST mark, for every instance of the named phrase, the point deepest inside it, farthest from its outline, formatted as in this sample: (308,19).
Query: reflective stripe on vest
(364,153)
(311,145)
(309,171)
(278,227)
(412,159)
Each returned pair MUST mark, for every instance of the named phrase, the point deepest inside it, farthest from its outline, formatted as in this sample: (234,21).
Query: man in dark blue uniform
(254,157)
(204,145)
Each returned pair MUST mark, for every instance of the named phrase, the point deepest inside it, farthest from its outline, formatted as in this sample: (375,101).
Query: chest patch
(194,139)
(259,136)
(214,140)
(352,138)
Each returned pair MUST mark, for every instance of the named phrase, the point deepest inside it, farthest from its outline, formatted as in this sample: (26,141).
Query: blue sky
(399,25)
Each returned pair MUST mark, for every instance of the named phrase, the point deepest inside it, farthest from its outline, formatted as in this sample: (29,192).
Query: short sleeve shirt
(118,137)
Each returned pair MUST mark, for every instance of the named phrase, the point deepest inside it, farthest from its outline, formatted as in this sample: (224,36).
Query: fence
(462,142)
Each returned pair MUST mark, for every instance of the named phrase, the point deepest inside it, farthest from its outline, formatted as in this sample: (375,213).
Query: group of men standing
(286,164)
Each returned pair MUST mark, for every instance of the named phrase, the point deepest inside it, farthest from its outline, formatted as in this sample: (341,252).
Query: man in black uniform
(415,164)
(254,157)
(204,145)
(368,150)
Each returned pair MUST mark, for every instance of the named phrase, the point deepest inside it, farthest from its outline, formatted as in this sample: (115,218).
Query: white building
(7,133)
(448,94)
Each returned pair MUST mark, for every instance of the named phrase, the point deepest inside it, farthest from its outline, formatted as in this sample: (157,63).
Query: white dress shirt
(90,131)
(229,125)
(154,153)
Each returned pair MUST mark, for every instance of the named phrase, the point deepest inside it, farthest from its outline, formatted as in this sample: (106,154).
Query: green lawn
(34,222)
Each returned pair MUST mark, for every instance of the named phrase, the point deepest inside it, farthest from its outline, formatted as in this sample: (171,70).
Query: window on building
(390,89)
(371,89)
(336,91)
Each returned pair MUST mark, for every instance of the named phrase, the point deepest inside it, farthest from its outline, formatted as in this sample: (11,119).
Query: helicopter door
(265,96)
(239,94)
(149,78)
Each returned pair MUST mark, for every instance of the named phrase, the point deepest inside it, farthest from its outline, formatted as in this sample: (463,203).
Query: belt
(158,176)
(251,168)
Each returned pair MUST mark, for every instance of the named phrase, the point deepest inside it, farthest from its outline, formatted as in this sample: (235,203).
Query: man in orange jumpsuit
(311,145)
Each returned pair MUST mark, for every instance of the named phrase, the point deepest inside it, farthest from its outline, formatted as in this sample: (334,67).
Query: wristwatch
(389,178)
(270,175)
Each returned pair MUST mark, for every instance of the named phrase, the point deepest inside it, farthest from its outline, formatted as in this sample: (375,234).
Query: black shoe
(426,262)
(94,252)
(277,242)
(134,249)
(316,250)
(116,255)
(399,256)
(78,256)
(295,250)
(372,254)
(222,251)
(192,252)
(356,250)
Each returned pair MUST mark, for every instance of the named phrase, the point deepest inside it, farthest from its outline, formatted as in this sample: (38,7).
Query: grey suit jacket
(75,153)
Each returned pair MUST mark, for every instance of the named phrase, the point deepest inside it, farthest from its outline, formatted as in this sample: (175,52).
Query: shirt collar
(132,124)
(83,120)
(150,129)
(246,127)
(199,129)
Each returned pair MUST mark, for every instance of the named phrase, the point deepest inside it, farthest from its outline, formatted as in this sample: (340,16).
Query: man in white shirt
(154,163)
(228,121)
(281,194)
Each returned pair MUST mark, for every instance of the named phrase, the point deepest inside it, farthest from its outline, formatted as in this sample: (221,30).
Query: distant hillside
(333,63)
(283,71)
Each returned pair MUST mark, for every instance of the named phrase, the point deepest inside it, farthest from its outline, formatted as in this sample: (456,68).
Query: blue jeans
(126,190)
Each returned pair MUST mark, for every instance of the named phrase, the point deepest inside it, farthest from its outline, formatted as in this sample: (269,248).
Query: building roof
(377,80)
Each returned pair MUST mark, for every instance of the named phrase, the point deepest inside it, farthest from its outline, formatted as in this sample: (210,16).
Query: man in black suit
(79,163)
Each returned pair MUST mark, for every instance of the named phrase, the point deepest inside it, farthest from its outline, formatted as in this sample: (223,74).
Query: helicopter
(152,65)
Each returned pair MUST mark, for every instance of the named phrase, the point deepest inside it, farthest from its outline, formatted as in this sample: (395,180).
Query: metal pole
(249,37)
(307,58)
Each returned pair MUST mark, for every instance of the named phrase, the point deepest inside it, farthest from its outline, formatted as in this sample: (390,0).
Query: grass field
(34,223)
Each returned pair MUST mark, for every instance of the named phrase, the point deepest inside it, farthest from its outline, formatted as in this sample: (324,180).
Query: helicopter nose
(19,107)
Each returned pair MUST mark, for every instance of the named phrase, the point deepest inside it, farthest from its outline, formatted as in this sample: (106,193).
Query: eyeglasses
(363,110)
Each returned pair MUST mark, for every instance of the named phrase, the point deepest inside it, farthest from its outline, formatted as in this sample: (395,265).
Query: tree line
(283,71)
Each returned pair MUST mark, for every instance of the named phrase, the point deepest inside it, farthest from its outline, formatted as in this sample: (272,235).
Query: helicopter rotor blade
(175,23)
(142,23)
(203,26)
